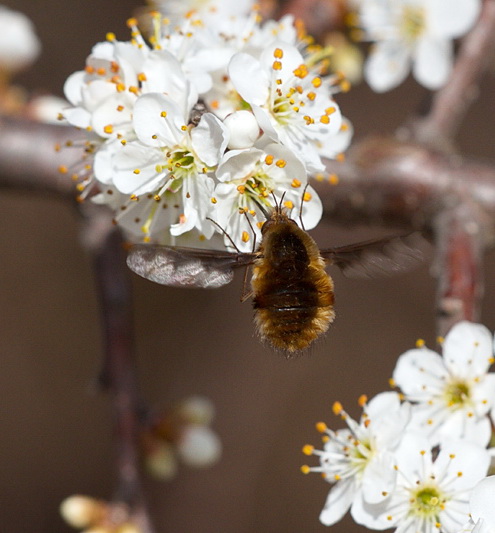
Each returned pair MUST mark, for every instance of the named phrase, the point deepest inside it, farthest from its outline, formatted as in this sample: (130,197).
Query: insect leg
(246,294)
(225,233)
(301,207)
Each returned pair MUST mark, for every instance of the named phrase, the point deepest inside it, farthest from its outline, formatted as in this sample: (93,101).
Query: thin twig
(114,290)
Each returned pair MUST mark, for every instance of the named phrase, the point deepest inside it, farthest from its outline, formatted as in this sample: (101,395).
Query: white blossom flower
(453,394)
(293,106)
(170,156)
(430,494)
(417,32)
(360,461)
(251,182)
(19,45)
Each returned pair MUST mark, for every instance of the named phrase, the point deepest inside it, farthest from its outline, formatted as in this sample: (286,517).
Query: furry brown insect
(293,296)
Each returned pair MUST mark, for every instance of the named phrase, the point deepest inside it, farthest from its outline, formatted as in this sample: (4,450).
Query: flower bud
(243,128)
(199,446)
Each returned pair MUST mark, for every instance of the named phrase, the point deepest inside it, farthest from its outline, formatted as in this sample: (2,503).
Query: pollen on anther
(245,236)
(420,343)
(241,189)
(324,119)
(137,171)
(111,36)
(281,163)
(278,53)
(305,469)
(316,82)
(142,76)
(213,200)
(307,196)
(362,400)
(269,159)
(321,427)
(337,408)
(163,114)
(288,204)
(277,65)
(132,22)
(183,128)
(308,449)
(63,169)
(108,129)
(295,183)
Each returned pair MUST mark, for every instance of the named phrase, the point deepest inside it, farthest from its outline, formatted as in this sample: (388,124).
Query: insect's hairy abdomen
(293,295)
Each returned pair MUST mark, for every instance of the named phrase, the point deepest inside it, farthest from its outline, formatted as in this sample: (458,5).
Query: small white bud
(197,409)
(81,511)
(199,446)
(19,45)
(243,128)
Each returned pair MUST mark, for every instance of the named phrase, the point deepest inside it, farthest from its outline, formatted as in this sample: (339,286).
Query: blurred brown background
(56,427)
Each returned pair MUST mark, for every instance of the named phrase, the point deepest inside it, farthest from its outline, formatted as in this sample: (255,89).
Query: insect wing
(379,257)
(185,267)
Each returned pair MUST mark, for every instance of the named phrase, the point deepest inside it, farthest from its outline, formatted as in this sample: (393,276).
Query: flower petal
(249,79)
(387,66)
(468,350)
(338,501)
(209,139)
(452,18)
(481,505)
(433,58)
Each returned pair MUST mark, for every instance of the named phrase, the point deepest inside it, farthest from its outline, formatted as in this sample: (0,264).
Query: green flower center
(427,502)
(413,23)
(457,394)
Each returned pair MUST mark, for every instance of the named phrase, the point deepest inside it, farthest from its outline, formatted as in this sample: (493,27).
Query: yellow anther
(308,449)
(278,53)
(278,81)
(269,159)
(111,36)
(333,179)
(241,189)
(307,196)
(131,22)
(324,119)
(108,129)
(137,171)
(305,469)
(183,128)
(321,427)
(123,142)
(141,76)
(301,71)
(213,200)
(133,89)
(288,204)
(245,236)
(316,82)
(340,157)
(391,382)
(337,408)
(120,108)
(63,169)
(420,343)
(345,86)
(120,87)
(362,400)
(157,198)
(80,187)
(330,110)
(154,136)
(281,163)
(295,183)
(440,340)
(277,65)
(163,114)
(367,423)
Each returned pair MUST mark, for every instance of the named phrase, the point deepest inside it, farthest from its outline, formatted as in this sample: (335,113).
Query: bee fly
(293,296)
